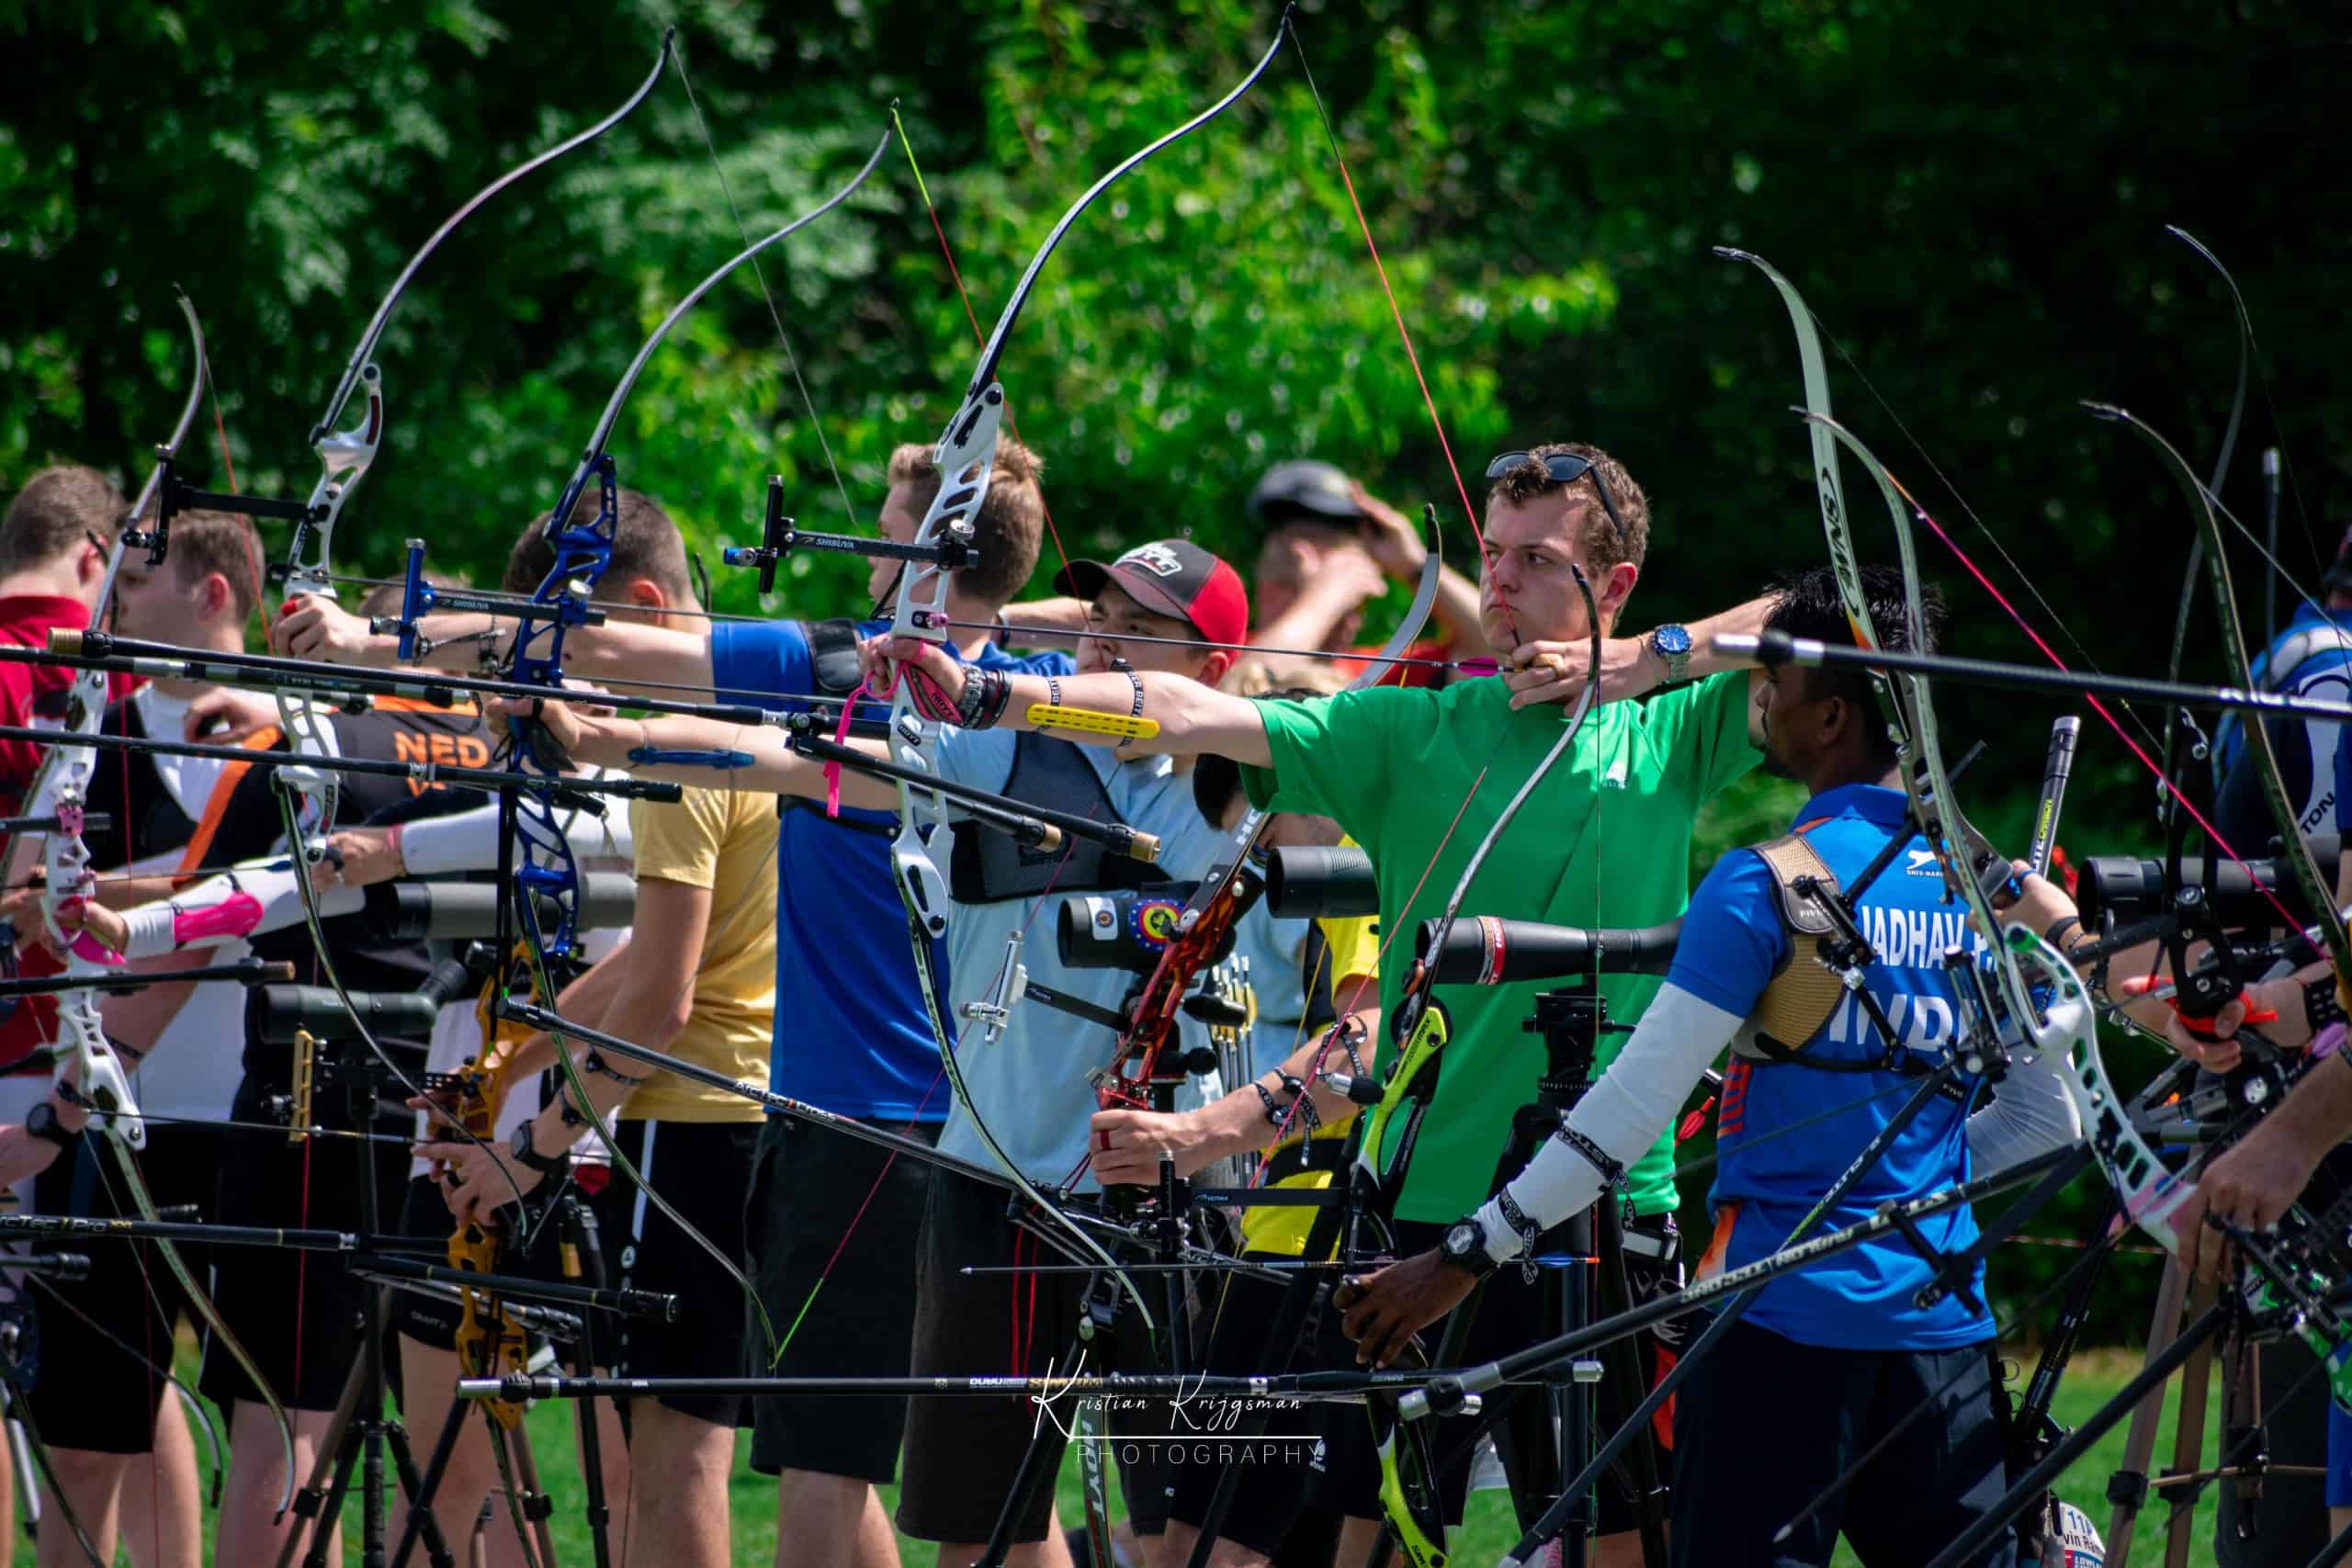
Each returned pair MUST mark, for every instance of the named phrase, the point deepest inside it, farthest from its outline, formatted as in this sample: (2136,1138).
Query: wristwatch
(546,1165)
(1464,1247)
(1671,643)
(41,1122)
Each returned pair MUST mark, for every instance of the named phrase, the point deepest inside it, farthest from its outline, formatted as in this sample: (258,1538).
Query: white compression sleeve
(1636,1098)
(467,840)
(232,905)
(2030,1113)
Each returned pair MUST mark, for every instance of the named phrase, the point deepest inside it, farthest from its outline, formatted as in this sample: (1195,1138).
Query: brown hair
(1010,527)
(57,510)
(391,598)
(646,544)
(1604,546)
(224,542)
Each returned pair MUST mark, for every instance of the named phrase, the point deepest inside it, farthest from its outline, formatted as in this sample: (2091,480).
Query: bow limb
(2320,896)
(345,456)
(2173,717)
(2065,1023)
(965,459)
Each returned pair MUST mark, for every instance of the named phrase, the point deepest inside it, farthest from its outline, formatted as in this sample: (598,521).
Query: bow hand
(476,1184)
(309,627)
(1124,1147)
(886,661)
(1382,1312)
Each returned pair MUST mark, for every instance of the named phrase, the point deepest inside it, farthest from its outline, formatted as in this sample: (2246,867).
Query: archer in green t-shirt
(1419,776)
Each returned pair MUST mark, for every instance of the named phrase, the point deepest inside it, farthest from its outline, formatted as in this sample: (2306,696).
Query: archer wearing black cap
(1330,547)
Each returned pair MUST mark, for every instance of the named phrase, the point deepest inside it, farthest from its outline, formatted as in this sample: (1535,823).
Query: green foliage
(1971,197)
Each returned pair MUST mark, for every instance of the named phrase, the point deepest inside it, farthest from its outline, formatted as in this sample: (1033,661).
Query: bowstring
(947,253)
(775,316)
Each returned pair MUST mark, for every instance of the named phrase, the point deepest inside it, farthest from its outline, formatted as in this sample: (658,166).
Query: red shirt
(26,621)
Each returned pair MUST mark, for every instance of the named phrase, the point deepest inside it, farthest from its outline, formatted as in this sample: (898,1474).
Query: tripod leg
(421,1522)
(325,1528)
(2189,1438)
(420,1507)
(2128,1488)
(536,1506)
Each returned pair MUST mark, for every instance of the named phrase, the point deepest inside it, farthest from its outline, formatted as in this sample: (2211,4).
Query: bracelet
(1266,1098)
(1301,1104)
(564,1107)
(2322,1003)
(2055,934)
(1613,1173)
(1000,693)
(590,1062)
(1137,711)
(972,702)
(1527,1230)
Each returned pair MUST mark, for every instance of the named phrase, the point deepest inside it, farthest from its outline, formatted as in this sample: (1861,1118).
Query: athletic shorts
(296,1313)
(702,1170)
(835,1227)
(1510,1315)
(963,1454)
(110,1338)
(1767,1424)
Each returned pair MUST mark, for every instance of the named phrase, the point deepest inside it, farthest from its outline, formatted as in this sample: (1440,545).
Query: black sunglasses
(1564,468)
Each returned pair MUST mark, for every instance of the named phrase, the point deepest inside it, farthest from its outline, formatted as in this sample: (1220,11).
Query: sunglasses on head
(1564,468)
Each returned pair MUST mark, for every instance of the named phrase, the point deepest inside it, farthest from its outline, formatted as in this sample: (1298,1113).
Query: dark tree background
(1972,197)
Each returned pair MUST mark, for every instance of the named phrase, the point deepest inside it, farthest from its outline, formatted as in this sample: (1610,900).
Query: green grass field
(1483,1537)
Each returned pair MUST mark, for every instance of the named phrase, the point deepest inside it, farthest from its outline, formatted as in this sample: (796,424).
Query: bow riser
(966,458)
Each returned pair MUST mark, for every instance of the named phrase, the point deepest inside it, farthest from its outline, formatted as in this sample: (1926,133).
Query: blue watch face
(1673,640)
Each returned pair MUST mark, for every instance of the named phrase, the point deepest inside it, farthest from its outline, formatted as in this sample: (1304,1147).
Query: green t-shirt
(1391,764)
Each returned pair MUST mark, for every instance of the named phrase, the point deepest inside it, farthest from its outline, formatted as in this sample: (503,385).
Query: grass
(1484,1536)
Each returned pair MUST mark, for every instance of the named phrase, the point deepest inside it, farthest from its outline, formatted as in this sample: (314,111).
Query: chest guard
(1804,992)
(833,666)
(987,867)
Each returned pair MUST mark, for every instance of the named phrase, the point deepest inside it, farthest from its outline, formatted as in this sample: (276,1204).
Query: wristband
(1137,711)
(2322,1003)
(1613,1173)
(1000,692)
(2055,934)
(1527,1230)
(1266,1098)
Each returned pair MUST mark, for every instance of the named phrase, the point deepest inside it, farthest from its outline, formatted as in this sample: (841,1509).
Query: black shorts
(1510,1315)
(826,1208)
(1770,1423)
(296,1313)
(963,1454)
(429,1319)
(110,1335)
(701,1169)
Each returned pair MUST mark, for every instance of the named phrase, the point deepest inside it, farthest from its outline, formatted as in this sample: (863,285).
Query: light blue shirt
(1275,949)
(1030,1083)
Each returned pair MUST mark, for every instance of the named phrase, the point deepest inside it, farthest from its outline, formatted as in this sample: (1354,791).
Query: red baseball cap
(1172,577)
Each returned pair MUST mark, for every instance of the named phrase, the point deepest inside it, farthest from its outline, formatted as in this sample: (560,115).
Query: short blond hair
(1010,530)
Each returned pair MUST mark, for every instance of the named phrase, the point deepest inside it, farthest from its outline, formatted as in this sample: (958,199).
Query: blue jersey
(1769,1173)
(851,1034)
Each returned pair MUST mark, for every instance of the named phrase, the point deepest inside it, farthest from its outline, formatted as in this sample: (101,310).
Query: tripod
(584,1263)
(1584,1279)
(361,1431)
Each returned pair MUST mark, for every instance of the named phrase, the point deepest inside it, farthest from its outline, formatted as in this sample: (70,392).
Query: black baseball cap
(1306,488)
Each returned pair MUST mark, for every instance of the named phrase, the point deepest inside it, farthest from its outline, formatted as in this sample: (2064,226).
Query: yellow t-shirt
(725,842)
(1353,948)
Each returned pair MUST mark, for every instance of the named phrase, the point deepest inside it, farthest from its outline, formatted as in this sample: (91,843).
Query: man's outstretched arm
(1194,719)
